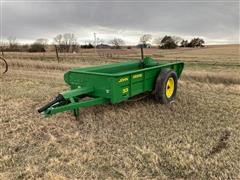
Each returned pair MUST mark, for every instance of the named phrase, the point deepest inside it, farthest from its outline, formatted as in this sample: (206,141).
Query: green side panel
(150,78)
(137,83)
(137,88)
(121,89)
(101,85)
(136,77)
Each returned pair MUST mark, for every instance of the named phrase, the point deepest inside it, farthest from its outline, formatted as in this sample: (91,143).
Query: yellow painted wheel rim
(170,87)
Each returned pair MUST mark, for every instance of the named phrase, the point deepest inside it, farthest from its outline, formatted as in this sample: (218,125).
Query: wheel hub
(170,87)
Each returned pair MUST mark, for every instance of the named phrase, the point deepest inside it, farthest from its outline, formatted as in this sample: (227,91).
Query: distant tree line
(195,42)
(171,42)
(68,43)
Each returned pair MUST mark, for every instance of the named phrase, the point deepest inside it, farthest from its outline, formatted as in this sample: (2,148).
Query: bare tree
(66,42)
(3,47)
(58,39)
(12,42)
(69,40)
(117,42)
(144,39)
(57,56)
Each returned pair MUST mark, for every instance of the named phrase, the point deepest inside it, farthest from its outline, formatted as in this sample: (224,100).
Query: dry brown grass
(225,78)
(197,137)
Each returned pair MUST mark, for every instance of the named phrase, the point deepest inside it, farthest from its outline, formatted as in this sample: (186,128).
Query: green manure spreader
(114,83)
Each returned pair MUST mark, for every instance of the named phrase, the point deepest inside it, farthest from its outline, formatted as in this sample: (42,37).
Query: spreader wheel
(166,86)
(3,62)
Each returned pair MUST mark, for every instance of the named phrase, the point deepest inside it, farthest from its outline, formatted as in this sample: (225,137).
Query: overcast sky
(215,21)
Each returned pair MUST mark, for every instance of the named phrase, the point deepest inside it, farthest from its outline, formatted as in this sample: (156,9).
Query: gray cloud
(217,21)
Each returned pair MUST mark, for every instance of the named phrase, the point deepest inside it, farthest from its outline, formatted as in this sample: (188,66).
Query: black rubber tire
(160,86)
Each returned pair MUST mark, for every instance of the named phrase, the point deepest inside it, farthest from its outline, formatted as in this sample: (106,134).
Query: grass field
(198,137)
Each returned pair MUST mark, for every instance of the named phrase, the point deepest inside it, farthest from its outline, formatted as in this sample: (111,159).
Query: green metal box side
(101,78)
(102,85)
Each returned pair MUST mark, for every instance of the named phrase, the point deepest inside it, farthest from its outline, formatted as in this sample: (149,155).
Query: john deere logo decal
(123,79)
(135,76)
